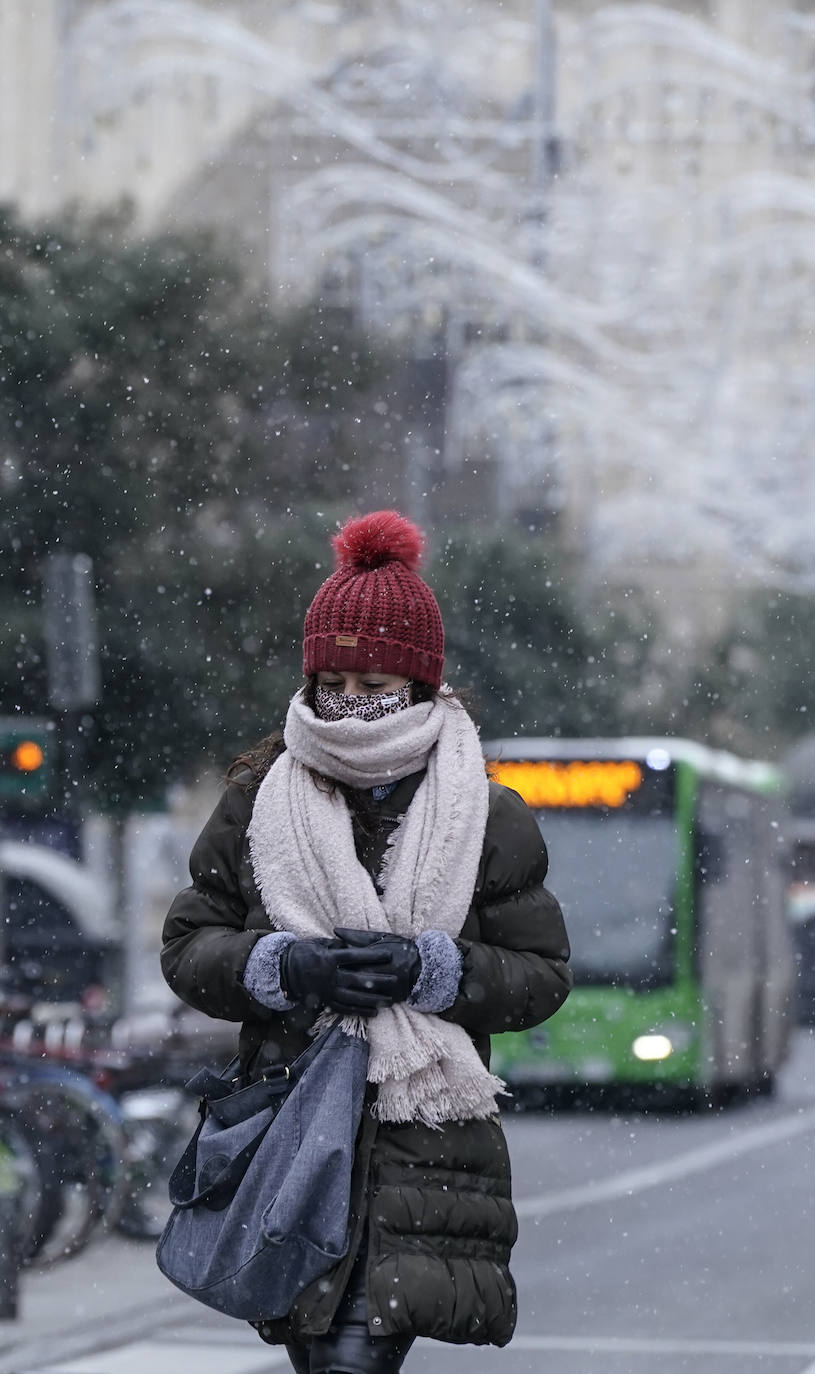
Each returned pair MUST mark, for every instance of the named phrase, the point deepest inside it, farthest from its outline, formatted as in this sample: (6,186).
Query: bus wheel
(724,1095)
(763,1085)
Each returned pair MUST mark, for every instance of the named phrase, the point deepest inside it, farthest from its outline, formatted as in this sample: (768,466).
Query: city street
(677,1242)
(406,487)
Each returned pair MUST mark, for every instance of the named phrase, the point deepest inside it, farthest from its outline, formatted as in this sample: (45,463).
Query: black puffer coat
(440,1221)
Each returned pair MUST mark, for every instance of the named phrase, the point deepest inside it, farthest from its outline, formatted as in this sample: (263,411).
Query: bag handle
(218,1086)
(208,1084)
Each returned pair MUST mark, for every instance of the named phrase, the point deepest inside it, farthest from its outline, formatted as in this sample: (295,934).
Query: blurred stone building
(589,227)
(142,98)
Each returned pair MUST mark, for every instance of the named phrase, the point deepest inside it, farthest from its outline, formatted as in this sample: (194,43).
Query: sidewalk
(110,1311)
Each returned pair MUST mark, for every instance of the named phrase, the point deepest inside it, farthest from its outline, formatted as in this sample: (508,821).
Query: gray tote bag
(261,1195)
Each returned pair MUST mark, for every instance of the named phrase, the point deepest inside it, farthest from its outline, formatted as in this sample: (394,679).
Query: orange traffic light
(27,756)
(26,766)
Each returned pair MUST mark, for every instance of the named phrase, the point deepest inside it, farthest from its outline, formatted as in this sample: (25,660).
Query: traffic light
(26,760)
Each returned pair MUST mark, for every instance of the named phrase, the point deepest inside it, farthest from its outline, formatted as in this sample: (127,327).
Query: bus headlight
(650,1047)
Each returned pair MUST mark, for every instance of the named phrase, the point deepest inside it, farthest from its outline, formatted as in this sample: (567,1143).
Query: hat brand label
(346,641)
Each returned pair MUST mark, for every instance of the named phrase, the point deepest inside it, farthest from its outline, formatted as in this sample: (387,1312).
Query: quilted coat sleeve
(515,973)
(206,942)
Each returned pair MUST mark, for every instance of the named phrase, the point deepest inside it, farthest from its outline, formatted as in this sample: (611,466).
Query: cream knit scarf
(310,880)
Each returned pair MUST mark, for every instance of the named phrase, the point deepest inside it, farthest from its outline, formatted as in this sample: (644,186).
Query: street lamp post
(544,88)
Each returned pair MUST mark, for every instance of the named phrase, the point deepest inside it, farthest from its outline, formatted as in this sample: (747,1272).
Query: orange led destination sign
(581,782)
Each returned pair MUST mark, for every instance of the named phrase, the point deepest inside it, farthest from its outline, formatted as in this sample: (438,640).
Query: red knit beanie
(375,612)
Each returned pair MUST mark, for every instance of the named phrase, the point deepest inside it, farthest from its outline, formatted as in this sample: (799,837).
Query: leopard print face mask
(333,705)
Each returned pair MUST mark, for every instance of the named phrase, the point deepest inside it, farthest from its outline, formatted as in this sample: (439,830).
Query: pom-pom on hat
(375,612)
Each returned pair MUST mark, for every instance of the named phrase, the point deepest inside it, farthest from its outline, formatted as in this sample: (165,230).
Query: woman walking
(362,866)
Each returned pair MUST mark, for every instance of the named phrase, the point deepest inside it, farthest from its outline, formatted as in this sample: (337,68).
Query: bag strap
(182,1179)
(221,1189)
(208,1083)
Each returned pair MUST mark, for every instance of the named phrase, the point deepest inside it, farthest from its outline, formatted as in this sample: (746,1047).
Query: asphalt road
(647,1243)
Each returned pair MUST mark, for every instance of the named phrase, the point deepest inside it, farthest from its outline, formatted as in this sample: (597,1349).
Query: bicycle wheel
(83,1157)
(158,1122)
(36,1199)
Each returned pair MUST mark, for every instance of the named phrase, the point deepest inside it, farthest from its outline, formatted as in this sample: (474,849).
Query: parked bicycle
(75,1138)
(102,1114)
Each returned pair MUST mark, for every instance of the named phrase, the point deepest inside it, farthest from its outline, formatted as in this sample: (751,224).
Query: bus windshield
(614,874)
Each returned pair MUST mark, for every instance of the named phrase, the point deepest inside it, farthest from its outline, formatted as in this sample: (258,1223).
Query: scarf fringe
(420,1045)
(349,1025)
(430,1098)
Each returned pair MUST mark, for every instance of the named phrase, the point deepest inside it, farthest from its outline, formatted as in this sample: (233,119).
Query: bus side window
(710,853)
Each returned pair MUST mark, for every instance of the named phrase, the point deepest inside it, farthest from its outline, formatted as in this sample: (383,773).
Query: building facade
(590,226)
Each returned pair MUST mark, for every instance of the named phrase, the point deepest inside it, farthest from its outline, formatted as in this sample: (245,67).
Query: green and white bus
(668,860)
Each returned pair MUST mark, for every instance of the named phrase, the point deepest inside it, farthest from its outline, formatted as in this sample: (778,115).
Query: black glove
(395,979)
(326,973)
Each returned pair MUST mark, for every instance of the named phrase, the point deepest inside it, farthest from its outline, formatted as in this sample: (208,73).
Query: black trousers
(348,1347)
